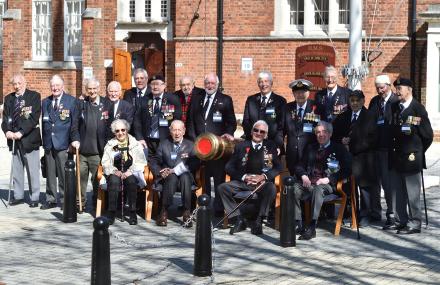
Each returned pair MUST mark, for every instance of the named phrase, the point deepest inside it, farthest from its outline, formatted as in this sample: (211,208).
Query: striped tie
(17,110)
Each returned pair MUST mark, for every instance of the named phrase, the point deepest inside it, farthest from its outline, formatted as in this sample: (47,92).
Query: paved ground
(38,248)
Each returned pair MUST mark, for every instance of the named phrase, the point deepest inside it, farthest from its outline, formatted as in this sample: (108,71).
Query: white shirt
(58,102)
(115,110)
(303,107)
(144,91)
(333,91)
(159,102)
(267,97)
(388,97)
(406,104)
(357,114)
(211,99)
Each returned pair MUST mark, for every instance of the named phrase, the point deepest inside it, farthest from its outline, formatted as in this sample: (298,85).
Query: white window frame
(48,56)
(68,57)
(282,26)
(2,12)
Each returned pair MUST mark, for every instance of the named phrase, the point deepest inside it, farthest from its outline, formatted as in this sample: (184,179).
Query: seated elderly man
(123,164)
(321,166)
(172,166)
(254,162)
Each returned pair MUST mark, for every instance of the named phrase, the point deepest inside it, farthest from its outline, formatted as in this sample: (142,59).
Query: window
(42,30)
(132,10)
(147,9)
(2,11)
(73,10)
(164,9)
(315,18)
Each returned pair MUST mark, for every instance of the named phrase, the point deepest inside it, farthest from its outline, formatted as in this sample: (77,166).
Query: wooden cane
(78,181)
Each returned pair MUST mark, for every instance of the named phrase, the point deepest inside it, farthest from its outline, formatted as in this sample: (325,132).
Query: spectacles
(255,130)
(120,131)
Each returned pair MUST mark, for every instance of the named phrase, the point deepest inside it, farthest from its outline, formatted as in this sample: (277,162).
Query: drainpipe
(414,46)
(220,23)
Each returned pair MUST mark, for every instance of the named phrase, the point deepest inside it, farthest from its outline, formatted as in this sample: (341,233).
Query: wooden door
(154,61)
(122,68)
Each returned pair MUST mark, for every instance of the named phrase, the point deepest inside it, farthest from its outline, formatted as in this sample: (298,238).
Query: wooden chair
(101,193)
(341,200)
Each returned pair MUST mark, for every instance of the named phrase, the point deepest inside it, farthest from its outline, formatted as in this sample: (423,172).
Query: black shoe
(111,217)
(408,231)
(15,202)
(33,204)
(257,229)
(239,226)
(309,233)
(219,214)
(186,219)
(392,226)
(299,229)
(48,206)
(133,219)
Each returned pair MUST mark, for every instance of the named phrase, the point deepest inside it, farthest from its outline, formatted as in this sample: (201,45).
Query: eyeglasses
(255,130)
(120,131)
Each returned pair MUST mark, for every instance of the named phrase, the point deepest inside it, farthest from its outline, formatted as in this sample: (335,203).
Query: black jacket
(328,110)
(383,119)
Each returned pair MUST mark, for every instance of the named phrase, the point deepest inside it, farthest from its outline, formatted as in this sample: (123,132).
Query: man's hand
(345,140)
(254,179)
(10,135)
(17,135)
(126,174)
(143,143)
(75,144)
(306,181)
(165,172)
(228,137)
(324,180)
(118,173)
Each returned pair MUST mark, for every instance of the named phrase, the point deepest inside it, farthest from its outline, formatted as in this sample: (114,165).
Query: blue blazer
(60,127)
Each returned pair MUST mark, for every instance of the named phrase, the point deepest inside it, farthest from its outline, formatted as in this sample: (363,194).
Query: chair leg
(340,217)
(148,204)
(100,202)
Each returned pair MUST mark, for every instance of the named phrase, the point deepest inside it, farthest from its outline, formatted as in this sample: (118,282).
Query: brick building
(77,38)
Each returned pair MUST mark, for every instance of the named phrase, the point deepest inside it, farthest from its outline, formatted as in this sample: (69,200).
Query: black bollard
(203,245)
(101,252)
(288,222)
(69,206)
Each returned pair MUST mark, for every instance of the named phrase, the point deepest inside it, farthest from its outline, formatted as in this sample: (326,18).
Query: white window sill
(73,65)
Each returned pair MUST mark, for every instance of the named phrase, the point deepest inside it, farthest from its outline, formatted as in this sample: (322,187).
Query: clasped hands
(307,183)
(165,172)
(254,179)
(123,175)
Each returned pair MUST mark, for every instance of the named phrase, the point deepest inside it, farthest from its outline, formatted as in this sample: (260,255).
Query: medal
(411,157)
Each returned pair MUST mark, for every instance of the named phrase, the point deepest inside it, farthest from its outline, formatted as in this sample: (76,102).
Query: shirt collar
(406,104)
(326,145)
(304,106)
(254,144)
(333,90)
(267,96)
(357,113)
(388,96)
(144,91)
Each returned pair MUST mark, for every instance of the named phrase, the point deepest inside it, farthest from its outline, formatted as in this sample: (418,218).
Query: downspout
(414,46)
(220,23)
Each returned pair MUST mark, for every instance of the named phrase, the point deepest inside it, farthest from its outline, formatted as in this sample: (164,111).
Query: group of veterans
(322,141)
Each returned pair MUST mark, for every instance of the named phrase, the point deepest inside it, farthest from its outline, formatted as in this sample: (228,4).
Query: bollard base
(203,273)
(288,244)
(69,220)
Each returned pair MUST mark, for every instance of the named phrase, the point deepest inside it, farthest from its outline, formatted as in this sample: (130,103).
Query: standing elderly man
(119,109)
(92,124)
(172,166)
(267,106)
(21,116)
(155,115)
(213,113)
(322,165)
(298,122)
(253,162)
(380,106)
(135,94)
(332,100)
(60,129)
(412,135)
(186,93)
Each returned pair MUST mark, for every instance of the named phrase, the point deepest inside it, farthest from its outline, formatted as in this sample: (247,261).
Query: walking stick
(241,203)
(78,181)
(424,201)
(11,174)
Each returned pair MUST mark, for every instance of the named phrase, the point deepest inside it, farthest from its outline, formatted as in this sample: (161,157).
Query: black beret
(156,77)
(357,93)
(300,84)
(403,82)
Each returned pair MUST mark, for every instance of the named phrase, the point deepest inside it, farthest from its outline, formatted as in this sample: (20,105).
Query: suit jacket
(408,149)
(142,122)
(272,114)
(328,110)
(28,121)
(383,119)
(186,106)
(222,105)
(60,127)
(236,166)
(335,150)
(363,141)
(130,96)
(86,114)
(298,137)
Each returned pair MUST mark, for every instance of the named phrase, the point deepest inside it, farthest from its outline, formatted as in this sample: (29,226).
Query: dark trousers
(384,175)
(114,186)
(265,195)
(216,170)
(316,194)
(170,186)
(55,162)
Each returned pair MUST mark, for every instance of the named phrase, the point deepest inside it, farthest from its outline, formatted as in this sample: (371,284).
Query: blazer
(328,110)
(408,149)
(272,114)
(363,142)
(222,106)
(383,119)
(28,121)
(60,127)
(86,113)
(130,96)
(236,166)
(298,135)
(338,151)
(170,110)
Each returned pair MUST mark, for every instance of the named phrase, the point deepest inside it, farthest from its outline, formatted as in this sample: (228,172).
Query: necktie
(300,113)
(257,146)
(139,95)
(330,94)
(55,105)
(176,147)
(382,107)
(401,107)
(156,106)
(17,110)
(263,102)
(354,118)
(206,105)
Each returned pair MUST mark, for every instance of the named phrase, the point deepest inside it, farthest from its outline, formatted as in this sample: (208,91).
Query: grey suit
(180,157)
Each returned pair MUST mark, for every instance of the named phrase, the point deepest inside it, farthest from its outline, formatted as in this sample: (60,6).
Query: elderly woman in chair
(123,164)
